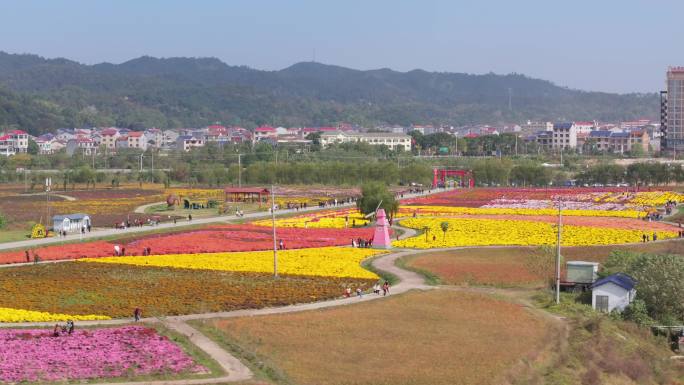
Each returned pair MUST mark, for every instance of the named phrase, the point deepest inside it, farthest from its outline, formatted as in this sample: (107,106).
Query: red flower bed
(207,240)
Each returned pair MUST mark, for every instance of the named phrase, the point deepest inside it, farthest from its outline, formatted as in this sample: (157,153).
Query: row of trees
(634,174)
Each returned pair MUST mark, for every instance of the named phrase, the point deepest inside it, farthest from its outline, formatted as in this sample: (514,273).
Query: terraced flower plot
(173,285)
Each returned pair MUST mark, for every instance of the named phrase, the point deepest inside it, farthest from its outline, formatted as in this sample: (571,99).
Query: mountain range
(40,95)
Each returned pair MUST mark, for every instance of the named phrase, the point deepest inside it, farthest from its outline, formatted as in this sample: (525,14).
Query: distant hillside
(40,94)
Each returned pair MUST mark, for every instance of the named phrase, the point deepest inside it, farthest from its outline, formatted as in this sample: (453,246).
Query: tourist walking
(655,236)
(28,258)
(359,293)
(137,313)
(376,289)
(385,288)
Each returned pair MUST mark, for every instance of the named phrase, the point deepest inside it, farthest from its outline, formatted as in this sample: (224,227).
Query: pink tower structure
(381,238)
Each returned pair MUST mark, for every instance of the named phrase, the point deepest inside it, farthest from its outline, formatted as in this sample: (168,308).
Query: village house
(614,292)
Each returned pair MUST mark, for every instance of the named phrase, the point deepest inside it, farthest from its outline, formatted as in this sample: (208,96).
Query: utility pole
(239,171)
(141,158)
(558,250)
(275,245)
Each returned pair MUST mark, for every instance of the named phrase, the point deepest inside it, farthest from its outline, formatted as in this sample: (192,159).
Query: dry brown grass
(434,337)
(506,266)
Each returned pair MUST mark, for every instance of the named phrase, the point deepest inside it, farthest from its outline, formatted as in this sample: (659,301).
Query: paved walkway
(170,225)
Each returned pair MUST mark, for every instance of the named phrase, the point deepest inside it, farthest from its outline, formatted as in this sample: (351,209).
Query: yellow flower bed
(327,220)
(655,198)
(642,198)
(198,193)
(104,205)
(20,315)
(408,211)
(324,261)
(486,232)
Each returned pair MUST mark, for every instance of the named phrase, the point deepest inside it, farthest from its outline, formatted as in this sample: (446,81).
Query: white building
(564,135)
(13,142)
(136,139)
(187,142)
(584,127)
(389,139)
(72,223)
(614,292)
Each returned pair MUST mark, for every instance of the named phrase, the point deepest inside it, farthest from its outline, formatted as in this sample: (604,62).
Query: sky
(598,45)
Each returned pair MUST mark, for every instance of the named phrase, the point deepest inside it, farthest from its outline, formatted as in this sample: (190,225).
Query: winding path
(169,225)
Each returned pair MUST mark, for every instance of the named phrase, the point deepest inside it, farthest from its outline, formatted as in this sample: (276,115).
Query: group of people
(36,258)
(63,329)
(646,238)
(362,243)
(376,290)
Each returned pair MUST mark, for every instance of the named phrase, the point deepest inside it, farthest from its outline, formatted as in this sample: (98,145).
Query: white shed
(70,223)
(613,292)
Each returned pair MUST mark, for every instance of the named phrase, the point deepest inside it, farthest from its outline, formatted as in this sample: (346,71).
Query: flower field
(115,290)
(534,198)
(486,232)
(324,262)
(20,315)
(451,210)
(210,239)
(34,355)
(330,219)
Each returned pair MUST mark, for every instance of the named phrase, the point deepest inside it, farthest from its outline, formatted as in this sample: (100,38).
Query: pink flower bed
(36,356)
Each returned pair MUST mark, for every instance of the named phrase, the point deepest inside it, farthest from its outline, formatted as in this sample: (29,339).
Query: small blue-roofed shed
(614,292)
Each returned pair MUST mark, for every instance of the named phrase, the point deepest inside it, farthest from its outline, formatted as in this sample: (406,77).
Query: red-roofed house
(265,132)
(108,137)
(13,142)
(136,139)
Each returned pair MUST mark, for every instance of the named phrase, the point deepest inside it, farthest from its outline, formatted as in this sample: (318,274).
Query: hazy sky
(606,45)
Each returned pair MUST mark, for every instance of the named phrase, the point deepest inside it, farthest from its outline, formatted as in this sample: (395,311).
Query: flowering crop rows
(115,290)
(20,315)
(335,219)
(481,232)
(34,355)
(212,239)
(325,261)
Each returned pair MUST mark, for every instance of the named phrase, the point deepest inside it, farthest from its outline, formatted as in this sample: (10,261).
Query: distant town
(580,136)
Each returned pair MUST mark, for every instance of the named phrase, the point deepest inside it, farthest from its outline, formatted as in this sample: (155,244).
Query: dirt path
(65,197)
(141,209)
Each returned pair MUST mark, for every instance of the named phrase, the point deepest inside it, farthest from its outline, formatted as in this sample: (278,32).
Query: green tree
(374,195)
(660,285)
(445,226)
(32,147)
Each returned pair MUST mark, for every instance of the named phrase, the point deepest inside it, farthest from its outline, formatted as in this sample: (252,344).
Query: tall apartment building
(673,114)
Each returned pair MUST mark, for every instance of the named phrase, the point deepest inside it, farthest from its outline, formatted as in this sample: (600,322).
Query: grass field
(508,266)
(434,337)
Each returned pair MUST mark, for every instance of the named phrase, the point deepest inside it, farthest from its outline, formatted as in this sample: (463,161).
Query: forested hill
(40,94)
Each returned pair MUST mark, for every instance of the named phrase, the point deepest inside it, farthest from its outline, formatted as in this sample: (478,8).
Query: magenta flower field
(35,355)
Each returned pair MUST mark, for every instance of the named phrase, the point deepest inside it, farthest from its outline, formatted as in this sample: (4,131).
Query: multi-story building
(154,137)
(389,139)
(618,142)
(136,139)
(188,142)
(265,132)
(14,142)
(108,137)
(674,118)
(564,135)
(85,146)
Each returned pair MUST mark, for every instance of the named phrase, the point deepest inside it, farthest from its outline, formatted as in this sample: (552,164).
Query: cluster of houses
(582,136)
(89,141)
(592,136)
